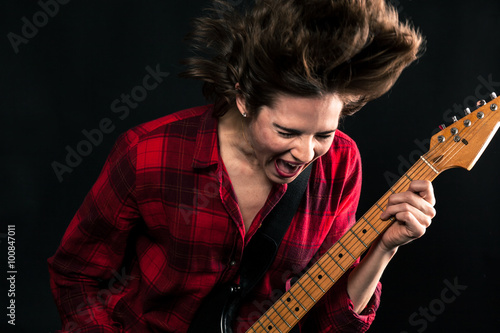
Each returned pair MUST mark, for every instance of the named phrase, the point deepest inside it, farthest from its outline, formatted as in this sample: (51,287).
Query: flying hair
(354,48)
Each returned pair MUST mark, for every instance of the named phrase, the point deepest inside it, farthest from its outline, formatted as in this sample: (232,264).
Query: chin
(280,180)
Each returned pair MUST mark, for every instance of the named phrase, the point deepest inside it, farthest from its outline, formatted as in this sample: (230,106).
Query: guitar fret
(283,319)
(319,265)
(379,207)
(364,218)
(346,250)
(408,177)
(260,323)
(289,310)
(300,284)
(315,282)
(358,238)
(274,325)
(295,298)
(342,268)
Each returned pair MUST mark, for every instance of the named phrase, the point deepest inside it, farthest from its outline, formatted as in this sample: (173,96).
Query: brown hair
(355,48)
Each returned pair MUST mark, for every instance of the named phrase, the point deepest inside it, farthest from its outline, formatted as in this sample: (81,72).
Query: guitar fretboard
(311,286)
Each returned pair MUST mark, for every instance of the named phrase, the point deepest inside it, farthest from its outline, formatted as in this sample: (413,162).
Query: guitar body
(218,310)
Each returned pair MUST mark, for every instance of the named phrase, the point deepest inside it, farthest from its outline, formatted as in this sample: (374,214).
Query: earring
(244,115)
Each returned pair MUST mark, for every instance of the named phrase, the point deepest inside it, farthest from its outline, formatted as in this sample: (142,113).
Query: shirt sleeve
(335,311)
(93,247)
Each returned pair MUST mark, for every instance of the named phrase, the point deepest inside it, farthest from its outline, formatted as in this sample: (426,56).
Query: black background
(63,80)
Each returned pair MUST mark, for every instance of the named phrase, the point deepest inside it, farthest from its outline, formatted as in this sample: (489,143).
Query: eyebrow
(294,131)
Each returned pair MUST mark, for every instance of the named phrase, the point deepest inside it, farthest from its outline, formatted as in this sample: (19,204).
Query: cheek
(323,148)
(269,142)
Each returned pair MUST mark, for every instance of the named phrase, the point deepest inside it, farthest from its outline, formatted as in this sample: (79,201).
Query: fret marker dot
(288,299)
(269,327)
(340,255)
(364,231)
(297,309)
(320,277)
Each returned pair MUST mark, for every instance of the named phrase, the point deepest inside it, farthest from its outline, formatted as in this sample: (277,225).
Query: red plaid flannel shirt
(161,227)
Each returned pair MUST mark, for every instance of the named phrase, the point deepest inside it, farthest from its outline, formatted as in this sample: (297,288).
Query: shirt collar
(207,143)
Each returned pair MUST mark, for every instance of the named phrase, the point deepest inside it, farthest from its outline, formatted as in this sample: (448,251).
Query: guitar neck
(461,145)
(318,279)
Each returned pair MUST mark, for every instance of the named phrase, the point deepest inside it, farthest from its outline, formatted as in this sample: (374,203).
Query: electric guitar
(459,145)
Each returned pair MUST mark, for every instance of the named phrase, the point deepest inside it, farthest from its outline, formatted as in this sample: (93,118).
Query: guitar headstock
(462,143)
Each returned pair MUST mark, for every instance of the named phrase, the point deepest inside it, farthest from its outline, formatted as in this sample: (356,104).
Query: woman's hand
(413,210)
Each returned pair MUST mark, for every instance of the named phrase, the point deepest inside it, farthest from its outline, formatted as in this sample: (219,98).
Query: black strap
(260,252)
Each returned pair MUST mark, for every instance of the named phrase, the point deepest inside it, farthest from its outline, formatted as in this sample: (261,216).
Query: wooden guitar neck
(457,146)
(318,279)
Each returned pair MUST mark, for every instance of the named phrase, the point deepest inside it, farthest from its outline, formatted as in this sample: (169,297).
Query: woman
(180,197)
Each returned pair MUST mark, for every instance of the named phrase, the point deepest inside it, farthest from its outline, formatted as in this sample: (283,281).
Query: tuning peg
(480,103)
(454,118)
(442,127)
(467,111)
(493,95)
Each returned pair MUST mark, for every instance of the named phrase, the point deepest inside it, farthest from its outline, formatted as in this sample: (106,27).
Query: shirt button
(233,263)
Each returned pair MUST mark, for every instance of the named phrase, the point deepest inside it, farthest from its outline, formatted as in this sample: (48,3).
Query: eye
(286,135)
(324,137)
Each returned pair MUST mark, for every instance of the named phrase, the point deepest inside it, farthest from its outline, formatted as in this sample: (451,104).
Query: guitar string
(308,283)
(314,273)
(467,133)
(451,151)
(355,229)
(329,265)
(356,235)
(326,268)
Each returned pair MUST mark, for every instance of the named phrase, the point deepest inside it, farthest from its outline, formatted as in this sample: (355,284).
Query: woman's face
(292,134)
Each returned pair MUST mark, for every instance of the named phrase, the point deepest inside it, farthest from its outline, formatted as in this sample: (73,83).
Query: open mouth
(286,169)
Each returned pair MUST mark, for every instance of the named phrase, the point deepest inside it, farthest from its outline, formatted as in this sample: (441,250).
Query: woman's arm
(92,249)
(413,211)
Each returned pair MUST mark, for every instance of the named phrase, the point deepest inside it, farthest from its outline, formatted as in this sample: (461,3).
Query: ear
(240,103)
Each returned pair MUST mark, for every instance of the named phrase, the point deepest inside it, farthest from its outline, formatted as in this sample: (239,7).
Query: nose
(303,150)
